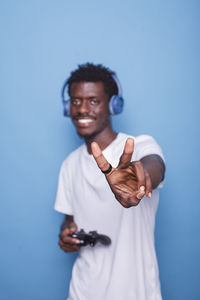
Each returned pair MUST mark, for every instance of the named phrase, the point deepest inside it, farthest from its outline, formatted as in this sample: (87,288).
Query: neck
(103,139)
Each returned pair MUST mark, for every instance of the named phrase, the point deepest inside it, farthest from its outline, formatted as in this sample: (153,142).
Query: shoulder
(144,139)
(140,139)
(144,145)
(147,145)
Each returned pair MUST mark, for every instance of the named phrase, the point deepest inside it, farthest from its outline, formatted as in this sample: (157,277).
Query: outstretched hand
(129,181)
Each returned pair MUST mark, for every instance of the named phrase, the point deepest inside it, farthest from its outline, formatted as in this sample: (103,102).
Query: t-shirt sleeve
(146,145)
(63,201)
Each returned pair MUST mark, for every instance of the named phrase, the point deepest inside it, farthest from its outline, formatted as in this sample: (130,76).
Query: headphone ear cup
(116,104)
(66,105)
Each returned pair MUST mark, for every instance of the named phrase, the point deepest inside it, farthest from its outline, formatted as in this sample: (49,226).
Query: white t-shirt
(127,269)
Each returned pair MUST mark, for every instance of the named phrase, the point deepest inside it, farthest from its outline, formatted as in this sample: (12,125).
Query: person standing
(109,184)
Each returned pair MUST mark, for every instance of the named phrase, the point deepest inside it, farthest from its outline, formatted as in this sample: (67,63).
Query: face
(89,108)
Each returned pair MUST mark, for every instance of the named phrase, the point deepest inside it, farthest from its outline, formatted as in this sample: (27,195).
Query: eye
(94,101)
(76,102)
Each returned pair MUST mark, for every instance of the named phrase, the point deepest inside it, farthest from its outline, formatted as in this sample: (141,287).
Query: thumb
(73,227)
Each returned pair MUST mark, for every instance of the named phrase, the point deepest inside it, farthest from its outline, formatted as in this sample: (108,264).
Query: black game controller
(91,238)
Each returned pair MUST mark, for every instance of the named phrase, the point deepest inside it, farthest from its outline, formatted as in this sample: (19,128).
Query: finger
(70,240)
(68,228)
(128,200)
(68,247)
(66,238)
(140,195)
(127,153)
(139,173)
(66,232)
(148,184)
(72,227)
(101,161)
(135,198)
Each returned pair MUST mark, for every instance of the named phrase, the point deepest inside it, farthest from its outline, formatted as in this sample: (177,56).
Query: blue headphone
(116,102)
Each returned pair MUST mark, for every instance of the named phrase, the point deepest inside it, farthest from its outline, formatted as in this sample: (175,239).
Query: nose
(84,107)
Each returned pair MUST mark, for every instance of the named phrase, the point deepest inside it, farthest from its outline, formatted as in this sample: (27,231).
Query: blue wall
(154,47)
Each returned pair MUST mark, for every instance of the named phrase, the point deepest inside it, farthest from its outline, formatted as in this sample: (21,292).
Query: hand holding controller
(91,238)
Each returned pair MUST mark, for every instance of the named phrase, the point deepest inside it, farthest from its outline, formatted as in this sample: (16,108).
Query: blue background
(154,48)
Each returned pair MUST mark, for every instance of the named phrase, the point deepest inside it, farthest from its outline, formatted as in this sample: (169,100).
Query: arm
(130,181)
(67,243)
(155,166)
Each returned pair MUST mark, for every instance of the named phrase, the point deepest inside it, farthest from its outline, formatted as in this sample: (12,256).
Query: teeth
(83,121)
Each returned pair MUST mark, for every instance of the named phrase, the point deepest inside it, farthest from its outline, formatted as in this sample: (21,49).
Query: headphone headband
(119,88)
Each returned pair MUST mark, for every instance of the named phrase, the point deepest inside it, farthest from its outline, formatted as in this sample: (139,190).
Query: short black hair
(89,72)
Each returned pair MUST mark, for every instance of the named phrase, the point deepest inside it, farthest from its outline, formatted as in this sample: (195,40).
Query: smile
(84,121)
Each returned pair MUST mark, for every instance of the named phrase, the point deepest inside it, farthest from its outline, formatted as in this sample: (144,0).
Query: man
(109,184)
